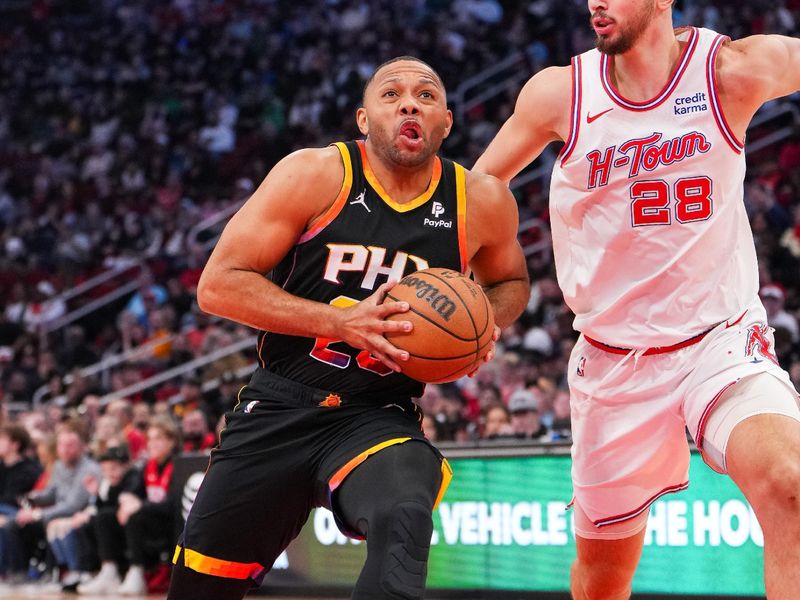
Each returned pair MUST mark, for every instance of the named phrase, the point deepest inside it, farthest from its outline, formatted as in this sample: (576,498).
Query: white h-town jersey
(651,239)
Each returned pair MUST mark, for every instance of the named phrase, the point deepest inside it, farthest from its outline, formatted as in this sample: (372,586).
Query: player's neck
(641,73)
(402,184)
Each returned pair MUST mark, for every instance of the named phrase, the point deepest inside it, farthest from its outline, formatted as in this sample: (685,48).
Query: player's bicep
(786,54)
(257,237)
(768,65)
(498,256)
(271,222)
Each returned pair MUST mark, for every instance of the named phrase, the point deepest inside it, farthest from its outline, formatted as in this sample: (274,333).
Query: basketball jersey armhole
(461,212)
(575,112)
(716,106)
(336,207)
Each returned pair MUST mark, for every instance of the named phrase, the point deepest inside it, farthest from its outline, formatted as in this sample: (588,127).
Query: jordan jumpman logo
(360,200)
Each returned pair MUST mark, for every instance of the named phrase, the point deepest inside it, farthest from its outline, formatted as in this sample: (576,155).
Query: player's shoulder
(311,169)
(550,83)
(315,160)
(487,193)
(545,97)
(492,212)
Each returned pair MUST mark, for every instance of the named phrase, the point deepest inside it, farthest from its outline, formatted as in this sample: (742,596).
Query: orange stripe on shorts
(218,567)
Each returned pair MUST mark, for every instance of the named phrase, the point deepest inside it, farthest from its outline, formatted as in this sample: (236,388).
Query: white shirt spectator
(218,139)
(773,296)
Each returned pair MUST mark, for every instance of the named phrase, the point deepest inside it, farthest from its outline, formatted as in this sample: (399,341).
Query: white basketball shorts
(630,411)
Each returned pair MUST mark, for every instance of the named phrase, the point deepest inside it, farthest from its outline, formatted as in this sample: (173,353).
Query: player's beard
(384,142)
(626,36)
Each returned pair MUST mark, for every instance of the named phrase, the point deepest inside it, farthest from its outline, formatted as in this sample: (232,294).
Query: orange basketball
(453,325)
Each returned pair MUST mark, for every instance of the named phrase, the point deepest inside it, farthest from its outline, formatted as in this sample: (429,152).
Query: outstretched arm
(496,257)
(754,70)
(541,116)
(297,191)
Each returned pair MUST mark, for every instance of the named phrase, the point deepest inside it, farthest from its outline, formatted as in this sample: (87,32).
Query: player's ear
(361,120)
(448,123)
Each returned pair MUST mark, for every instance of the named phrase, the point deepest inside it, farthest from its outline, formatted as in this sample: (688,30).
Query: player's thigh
(755,423)
(247,510)
(763,447)
(407,472)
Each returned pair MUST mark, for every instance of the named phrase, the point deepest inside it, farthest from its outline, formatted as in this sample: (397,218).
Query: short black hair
(394,60)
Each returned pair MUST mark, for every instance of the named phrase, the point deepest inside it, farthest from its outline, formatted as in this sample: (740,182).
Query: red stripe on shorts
(629,515)
(701,427)
(650,351)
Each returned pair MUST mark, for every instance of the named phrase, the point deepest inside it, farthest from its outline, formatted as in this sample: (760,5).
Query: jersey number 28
(650,201)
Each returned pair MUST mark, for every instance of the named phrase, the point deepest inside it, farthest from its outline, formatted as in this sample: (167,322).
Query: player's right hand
(363,325)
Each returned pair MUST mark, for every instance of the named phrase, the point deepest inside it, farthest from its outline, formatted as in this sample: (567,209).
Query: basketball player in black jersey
(327,419)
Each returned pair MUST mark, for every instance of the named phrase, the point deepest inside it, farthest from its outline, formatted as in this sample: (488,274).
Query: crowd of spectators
(125,123)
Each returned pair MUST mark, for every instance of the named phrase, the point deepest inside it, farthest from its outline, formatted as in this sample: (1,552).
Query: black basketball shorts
(285,449)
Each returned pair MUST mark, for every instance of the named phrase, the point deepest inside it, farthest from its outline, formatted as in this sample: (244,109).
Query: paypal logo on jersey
(437,210)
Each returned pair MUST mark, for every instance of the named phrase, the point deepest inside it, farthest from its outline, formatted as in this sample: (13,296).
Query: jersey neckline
(669,87)
(376,185)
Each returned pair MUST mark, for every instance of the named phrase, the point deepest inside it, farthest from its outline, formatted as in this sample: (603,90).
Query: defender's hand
(363,325)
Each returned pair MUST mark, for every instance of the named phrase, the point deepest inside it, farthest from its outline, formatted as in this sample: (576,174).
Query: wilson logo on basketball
(439,302)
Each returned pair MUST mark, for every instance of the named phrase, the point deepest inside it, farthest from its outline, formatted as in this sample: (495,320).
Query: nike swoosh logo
(728,324)
(590,118)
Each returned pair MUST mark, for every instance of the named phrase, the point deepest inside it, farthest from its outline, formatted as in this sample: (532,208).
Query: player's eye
(426,94)
(390,93)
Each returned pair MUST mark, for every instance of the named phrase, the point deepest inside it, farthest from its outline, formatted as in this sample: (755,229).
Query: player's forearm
(249,298)
(509,299)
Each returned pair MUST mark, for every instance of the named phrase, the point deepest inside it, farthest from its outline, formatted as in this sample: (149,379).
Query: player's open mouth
(411,131)
(602,25)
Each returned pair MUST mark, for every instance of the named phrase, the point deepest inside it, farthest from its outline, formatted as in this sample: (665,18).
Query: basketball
(453,325)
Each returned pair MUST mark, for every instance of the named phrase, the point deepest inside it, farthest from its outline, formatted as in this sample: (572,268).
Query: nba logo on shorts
(581,366)
(437,209)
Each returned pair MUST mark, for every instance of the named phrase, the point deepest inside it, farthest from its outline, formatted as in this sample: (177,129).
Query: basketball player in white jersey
(655,257)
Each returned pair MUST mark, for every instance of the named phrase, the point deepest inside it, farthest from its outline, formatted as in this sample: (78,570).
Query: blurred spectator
(106,430)
(497,422)
(562,422)
(18,474)
(63,496)
(99,534)
(45,451)
(195,433)
(773,296)
(430,428)
(44,308)
(190,396)
(525,422)
(221,399)
(147,523)
(122,410)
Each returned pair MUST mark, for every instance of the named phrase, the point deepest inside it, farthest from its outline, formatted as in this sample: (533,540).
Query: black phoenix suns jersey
(364,239)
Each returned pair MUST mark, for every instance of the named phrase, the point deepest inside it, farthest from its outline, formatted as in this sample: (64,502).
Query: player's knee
(408,526)
(777,488)
(600,581)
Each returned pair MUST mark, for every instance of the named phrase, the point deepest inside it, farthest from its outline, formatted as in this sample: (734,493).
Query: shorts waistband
(266,381)
(651,351)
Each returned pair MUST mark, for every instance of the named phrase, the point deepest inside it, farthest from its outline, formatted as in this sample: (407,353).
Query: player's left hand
(489,355)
